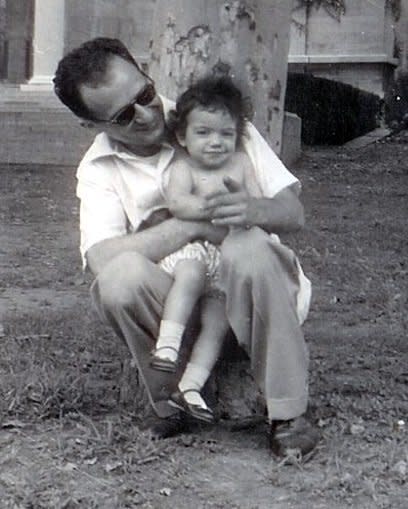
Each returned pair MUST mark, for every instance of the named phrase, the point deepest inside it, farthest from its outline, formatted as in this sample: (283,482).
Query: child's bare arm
(182,203)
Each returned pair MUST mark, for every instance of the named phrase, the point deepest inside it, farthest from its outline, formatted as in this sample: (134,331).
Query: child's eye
(228,134)
(202,132)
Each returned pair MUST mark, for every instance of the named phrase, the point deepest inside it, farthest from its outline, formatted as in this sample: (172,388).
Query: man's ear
(181,138)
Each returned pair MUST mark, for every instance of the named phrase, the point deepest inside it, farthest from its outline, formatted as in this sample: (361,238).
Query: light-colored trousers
(261,282)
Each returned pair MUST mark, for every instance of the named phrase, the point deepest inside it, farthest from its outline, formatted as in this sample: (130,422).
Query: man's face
(122,84)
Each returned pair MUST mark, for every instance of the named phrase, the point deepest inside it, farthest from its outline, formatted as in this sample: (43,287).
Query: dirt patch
(69,422)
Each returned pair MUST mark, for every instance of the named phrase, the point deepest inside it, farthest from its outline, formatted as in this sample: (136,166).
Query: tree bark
(246,39)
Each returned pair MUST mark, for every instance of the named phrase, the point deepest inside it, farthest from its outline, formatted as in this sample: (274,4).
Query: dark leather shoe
(198,412)
(165,428)
(296,437)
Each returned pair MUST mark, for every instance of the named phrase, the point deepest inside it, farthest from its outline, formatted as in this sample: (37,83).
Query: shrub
(331,112)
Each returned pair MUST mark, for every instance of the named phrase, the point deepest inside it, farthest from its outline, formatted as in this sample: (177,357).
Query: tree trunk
(249,41)
(246,39)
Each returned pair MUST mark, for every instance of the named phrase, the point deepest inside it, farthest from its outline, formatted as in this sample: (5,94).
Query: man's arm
(155,242)
(282,213)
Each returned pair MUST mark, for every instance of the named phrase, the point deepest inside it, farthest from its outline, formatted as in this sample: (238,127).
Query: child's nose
(215,139)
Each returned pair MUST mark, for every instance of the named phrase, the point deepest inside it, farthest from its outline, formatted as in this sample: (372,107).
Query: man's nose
(143,115)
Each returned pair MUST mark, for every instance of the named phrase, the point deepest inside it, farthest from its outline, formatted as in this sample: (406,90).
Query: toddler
(208,123)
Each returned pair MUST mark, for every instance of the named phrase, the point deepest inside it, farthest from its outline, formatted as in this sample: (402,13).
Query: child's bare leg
(189,281)
(214,326)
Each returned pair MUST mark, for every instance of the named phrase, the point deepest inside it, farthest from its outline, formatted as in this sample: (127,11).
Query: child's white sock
(170,335)
(194,377)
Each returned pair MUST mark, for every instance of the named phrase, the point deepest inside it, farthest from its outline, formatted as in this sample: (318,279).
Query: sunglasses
(125,116)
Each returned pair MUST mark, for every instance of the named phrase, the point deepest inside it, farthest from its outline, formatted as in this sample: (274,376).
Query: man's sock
(194,377)
(170,335)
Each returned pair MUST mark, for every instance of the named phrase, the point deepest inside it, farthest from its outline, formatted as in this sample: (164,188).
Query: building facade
(357,46)
(34,34)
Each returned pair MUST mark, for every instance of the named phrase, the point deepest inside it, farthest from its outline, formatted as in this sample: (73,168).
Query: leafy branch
(395,6)
(335,8)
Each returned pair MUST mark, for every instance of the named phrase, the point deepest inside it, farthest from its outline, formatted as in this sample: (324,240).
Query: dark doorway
(16,34)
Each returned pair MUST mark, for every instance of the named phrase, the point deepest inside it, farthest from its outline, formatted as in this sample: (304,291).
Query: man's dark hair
(212,94)
(86,64)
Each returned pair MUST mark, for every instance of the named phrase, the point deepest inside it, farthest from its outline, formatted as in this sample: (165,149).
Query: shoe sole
(190,412)
(163,366)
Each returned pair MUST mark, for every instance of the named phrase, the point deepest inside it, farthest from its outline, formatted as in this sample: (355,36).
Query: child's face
(210,137)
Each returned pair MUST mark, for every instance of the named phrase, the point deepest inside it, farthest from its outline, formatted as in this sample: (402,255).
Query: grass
(58,362)
(71,407)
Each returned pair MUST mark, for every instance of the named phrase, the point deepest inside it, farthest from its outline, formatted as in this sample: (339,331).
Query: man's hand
(282,213)
(234,208)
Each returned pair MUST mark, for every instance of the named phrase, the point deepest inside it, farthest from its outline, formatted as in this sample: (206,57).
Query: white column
(48,42)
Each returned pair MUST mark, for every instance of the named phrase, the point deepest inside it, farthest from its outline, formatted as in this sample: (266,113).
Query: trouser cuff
(285,409)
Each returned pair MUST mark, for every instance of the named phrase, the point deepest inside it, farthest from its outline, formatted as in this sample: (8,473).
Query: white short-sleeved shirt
(118,190)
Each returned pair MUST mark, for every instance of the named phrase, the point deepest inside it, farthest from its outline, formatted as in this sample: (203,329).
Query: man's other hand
(234,208)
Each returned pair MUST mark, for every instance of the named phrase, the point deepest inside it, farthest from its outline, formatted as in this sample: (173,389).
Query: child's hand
(214,234)
(205,211)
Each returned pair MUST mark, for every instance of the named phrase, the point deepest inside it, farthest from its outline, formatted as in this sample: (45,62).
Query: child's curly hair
(212,94)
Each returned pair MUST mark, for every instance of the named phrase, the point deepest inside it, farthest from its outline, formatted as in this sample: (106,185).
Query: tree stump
(231,390)
(236,395)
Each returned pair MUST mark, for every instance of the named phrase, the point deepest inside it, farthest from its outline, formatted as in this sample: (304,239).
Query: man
(125,231)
